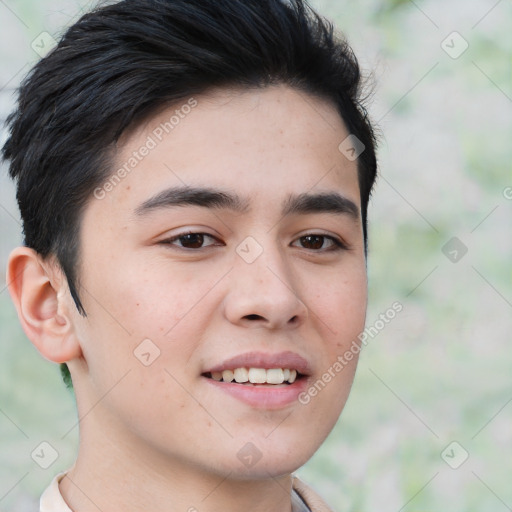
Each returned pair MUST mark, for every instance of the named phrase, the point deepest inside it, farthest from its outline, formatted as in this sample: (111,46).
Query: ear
(38,290)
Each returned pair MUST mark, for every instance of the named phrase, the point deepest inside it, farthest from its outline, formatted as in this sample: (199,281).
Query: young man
(193,178)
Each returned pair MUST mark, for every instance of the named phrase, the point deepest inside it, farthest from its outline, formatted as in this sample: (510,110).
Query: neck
(122,475)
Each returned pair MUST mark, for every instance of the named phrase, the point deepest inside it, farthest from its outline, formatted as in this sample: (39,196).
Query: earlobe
(37,290)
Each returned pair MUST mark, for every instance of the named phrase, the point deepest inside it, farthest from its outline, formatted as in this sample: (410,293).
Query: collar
(52,500)
(304,499)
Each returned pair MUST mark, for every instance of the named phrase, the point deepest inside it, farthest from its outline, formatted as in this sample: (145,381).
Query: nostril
(253,317)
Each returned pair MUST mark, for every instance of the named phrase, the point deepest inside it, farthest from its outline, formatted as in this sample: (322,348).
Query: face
(232,242)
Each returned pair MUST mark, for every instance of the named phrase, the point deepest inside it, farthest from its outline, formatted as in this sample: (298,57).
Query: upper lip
(287,359)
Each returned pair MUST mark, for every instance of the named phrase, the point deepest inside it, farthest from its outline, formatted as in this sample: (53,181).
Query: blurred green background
(441,371)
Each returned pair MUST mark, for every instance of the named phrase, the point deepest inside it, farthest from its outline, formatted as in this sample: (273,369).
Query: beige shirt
(303,498)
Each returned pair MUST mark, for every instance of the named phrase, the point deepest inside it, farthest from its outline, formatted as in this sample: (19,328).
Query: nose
(264,293)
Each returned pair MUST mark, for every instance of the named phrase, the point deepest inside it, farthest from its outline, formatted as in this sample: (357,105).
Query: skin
(160,437)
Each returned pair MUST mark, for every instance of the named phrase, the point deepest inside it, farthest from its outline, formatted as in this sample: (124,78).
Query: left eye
(316,242)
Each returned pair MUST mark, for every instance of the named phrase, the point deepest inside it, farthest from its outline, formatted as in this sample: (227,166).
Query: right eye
(190,240)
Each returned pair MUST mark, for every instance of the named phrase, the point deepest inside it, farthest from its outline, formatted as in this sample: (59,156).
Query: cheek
(141,299)
(342,309)
(341,318)
(129,326)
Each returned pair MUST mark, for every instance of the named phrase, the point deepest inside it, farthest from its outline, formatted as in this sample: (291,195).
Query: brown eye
(190,240)
(316,242)
(312,241)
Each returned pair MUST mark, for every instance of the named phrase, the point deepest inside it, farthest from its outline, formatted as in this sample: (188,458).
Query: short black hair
(120,63)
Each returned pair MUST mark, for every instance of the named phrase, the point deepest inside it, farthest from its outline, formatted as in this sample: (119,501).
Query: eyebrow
(206,197)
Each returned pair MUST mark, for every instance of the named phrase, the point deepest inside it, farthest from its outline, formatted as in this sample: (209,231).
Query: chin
(269,458)
(275,468)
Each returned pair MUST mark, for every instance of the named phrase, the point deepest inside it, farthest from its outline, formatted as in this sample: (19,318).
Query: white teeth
(257,375)
(227,376)
(241,375)
(275,376)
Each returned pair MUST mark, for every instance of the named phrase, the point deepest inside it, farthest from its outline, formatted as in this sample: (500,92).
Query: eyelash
(338,245)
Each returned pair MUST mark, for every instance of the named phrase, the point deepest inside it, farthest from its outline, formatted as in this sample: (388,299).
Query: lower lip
(263,397)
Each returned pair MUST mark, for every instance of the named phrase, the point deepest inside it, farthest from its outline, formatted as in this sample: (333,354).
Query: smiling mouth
(257,376)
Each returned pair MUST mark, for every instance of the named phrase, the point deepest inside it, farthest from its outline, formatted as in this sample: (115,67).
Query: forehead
(262,145)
